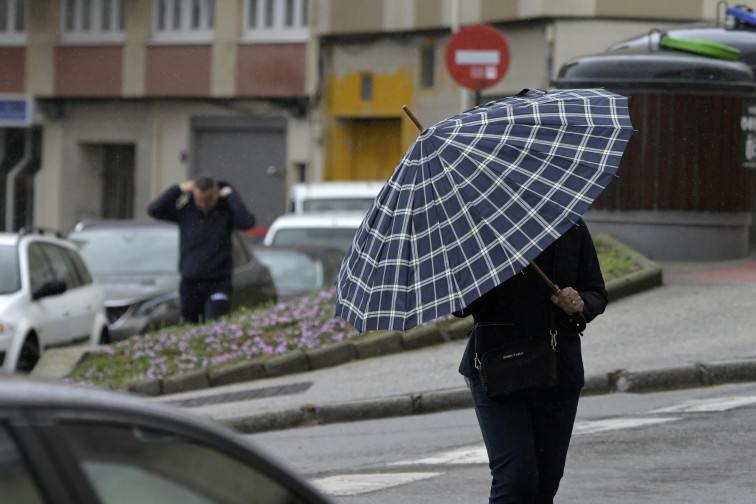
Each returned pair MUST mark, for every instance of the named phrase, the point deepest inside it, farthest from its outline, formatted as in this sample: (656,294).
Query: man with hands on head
(206,213)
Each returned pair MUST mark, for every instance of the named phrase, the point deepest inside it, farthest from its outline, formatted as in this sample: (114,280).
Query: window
(130,463)
(428,66)
(275,20)
(138,251)
(10,278)
(39,270)
(366,87)
(184,20)
(79,267)
(93,20)
(12,22)
(59,262)
(16,482)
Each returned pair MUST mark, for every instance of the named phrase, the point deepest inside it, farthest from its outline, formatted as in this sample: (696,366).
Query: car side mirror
(49,289)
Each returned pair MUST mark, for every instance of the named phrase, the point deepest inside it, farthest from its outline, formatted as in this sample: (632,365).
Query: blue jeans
(526,437)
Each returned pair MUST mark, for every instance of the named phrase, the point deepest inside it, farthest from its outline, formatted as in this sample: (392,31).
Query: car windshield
(117,251)
(337,204)
(339,238)
(10,280)
(292,272)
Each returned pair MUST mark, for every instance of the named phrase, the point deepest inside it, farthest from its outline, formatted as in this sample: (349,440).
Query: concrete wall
(68,185)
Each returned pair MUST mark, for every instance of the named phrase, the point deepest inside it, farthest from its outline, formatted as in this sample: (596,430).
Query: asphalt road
(693,446)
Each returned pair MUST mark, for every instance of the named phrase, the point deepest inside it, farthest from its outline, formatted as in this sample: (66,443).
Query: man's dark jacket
(524,301)
(205,239)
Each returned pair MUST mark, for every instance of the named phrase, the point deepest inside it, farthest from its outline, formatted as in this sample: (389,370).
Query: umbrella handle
(413,118)
(554,287)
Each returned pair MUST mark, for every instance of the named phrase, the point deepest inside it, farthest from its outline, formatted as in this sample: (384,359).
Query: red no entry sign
(477,57)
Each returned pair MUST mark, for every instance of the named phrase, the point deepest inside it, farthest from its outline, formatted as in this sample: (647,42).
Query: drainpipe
(464,95)
(10,180)
(2,145)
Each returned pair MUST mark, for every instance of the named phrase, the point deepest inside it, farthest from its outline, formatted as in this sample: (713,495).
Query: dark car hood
(133,288)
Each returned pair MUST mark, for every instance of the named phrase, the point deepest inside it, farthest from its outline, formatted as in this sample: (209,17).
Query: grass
(262,333)
(613,261)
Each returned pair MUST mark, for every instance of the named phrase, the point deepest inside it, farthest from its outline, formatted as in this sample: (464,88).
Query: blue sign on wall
(15,111)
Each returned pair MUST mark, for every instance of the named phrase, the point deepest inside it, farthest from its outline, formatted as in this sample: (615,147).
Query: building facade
(107,102)
(125,97)
(378,55)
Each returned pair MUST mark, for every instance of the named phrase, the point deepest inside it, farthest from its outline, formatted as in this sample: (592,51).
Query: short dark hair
(205,182)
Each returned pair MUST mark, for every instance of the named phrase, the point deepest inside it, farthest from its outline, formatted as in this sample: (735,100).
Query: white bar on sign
(476,57)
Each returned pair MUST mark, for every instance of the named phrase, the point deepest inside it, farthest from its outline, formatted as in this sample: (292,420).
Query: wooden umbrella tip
(413,118)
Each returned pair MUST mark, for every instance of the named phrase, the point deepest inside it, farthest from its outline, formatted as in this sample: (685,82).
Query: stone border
(376,344)
(647,277)
(652,380)
(57,363)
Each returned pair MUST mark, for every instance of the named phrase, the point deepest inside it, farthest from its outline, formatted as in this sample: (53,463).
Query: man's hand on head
(187,186)
(225,191)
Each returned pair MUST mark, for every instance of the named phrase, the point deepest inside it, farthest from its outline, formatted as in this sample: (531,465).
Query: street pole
(464,95)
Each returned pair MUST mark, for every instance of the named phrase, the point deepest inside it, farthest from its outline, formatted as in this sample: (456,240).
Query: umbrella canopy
(474,199)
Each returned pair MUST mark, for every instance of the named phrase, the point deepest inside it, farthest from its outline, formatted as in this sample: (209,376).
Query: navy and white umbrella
(474,199)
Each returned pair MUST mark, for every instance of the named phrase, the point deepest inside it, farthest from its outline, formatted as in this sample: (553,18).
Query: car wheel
(104,336)
(29,355)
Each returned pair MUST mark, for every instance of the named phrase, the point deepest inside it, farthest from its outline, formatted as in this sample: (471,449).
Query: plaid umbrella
(475,199)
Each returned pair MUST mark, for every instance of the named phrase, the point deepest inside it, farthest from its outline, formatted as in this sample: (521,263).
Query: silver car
(136,263)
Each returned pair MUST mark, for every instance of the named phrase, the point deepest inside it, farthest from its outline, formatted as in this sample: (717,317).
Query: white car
(336,229)
(47,299)
(347,196)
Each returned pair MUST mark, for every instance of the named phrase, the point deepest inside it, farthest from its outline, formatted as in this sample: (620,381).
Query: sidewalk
(696,329)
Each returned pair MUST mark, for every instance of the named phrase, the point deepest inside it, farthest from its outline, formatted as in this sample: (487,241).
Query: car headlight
(5,327)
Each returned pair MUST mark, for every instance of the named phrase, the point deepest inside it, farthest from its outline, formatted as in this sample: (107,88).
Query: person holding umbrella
(480,205)
(527,435)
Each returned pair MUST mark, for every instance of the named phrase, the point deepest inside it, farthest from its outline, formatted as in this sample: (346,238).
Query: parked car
(347,196)
(65,444)
(327,229)
(136,262)
(47,298)
(300,269)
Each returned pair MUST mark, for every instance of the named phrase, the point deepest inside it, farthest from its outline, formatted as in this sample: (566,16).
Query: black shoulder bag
(517,364)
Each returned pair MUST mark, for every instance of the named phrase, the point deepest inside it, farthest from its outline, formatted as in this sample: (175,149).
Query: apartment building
(103,103)
(378,55)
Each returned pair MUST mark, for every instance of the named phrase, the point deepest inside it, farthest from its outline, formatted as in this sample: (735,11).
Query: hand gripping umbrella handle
(554,287)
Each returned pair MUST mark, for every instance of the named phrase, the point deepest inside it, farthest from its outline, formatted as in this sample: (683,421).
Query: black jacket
(524,303)
(205,239)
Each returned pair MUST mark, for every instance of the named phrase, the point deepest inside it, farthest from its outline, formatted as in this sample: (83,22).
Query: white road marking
(355,484)
(594,426)
(709,405)
(475,454)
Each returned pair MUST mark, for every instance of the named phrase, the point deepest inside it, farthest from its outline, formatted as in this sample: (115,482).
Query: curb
(379,343)
(693,375)
(376,344)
